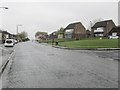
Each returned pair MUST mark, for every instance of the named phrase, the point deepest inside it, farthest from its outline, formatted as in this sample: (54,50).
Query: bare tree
(93,22)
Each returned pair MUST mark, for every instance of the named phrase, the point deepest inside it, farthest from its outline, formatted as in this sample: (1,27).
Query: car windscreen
(9,41)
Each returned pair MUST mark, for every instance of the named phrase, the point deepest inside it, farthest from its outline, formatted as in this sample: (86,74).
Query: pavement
(87,48)
(5,54)
(42,66)
(5,57)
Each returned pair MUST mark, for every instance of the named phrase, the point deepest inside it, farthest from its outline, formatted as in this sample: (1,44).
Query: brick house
(75,31)
(102,28)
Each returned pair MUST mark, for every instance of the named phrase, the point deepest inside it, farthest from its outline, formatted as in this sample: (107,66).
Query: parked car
(9,43)
(113,37)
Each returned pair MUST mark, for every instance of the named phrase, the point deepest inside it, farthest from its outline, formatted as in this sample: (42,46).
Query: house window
(7,36)
(68,33)
(100,29)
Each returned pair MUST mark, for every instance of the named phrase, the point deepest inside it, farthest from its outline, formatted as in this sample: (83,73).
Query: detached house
(41,36)
(4,35)
(75,31)
(102,28)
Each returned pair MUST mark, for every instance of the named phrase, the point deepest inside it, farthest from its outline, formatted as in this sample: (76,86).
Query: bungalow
(4,35)
(102,28)
(75,31)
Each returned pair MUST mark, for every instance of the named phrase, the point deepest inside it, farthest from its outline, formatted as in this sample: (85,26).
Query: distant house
(75,31)
(4,35)
(115,31)
(60,36)
(53,35)
(102,28)
(41,36)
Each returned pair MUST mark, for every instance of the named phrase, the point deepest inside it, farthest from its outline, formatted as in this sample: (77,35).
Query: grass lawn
(91,43)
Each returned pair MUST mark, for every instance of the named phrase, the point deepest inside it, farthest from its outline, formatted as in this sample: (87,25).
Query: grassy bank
(94,43)
(86,43)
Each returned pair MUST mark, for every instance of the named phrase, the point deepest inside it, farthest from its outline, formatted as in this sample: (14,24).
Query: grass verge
(94,43)
(86,43)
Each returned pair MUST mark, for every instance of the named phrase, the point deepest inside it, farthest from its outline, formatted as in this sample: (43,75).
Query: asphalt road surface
(42,66)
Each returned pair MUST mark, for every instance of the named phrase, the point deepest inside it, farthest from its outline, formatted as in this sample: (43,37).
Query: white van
(9,43)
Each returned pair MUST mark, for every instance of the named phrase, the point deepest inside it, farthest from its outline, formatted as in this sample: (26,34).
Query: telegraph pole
(4,7)
(17,30)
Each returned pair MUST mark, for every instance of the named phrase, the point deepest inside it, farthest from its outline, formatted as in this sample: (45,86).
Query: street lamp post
(17,30)
(4,7)
(18,26)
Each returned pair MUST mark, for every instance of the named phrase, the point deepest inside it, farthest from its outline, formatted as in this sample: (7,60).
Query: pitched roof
(101,23)
(115,29)
(72,25)
(5,32)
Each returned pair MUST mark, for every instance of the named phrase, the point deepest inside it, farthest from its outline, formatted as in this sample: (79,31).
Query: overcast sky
(50,16)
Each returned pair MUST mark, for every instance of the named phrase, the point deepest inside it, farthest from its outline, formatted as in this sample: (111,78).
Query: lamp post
(4,7)
(17,30)
(90,25)
(92,33)
(18,27)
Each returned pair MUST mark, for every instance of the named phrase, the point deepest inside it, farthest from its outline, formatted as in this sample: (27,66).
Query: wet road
(40,66)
